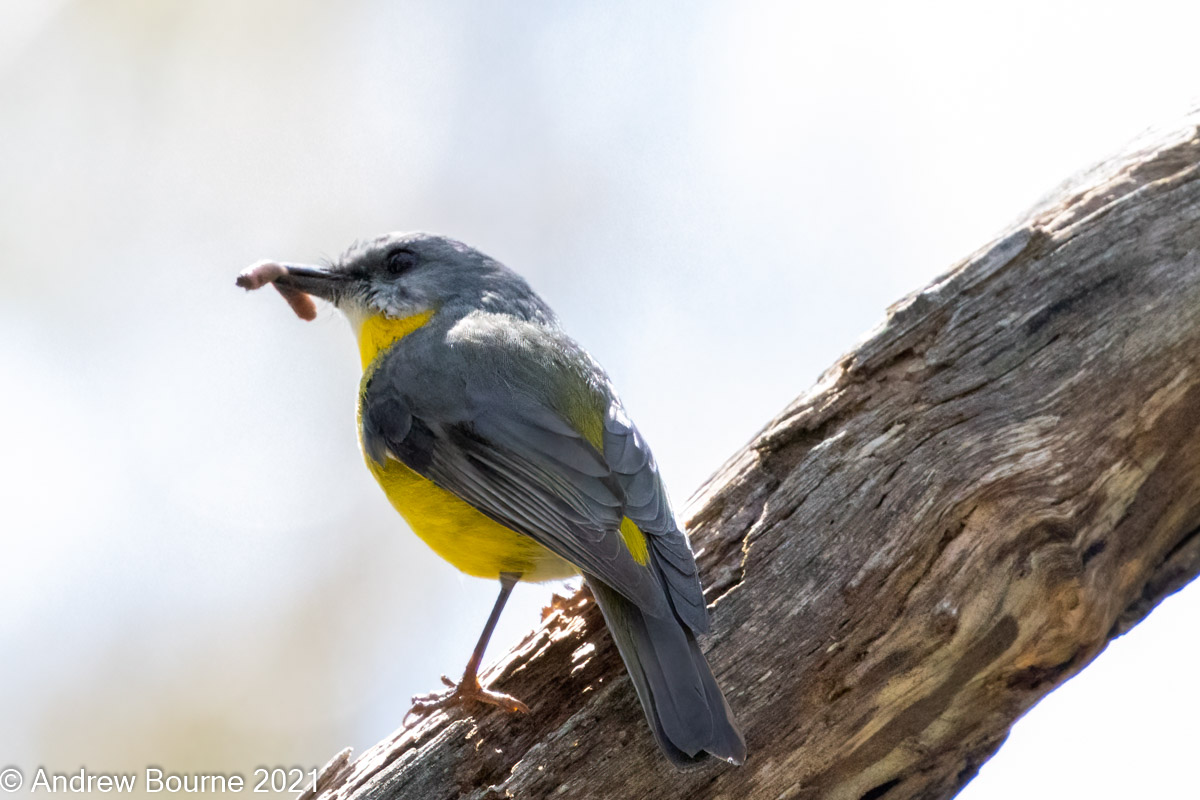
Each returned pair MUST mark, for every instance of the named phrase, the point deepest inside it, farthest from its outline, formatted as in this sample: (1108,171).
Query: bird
(503,444)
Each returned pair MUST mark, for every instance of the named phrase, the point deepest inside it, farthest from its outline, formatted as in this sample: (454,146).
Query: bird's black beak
(322,283)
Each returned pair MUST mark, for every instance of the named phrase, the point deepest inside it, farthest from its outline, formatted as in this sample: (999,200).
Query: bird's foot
(463,693)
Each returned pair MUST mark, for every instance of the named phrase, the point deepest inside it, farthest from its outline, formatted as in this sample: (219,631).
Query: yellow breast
(475,544)
(377,333)
(454,529)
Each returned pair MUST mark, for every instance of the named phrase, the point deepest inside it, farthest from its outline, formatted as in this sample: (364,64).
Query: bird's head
(400,278)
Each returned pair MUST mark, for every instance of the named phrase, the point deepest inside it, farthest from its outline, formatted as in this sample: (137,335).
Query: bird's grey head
(398,275)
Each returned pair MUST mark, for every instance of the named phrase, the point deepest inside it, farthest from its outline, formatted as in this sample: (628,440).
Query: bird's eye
(400,260)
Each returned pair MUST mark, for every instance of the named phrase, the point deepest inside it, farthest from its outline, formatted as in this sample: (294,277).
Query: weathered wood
(959,517)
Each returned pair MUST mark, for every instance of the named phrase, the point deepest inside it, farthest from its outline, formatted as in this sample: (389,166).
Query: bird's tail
(684,706)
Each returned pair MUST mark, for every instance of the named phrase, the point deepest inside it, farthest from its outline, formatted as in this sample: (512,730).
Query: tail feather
(686,710)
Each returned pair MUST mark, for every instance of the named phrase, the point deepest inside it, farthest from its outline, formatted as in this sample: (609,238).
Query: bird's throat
(377,333)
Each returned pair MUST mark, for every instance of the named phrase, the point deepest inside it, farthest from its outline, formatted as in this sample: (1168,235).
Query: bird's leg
(469,689)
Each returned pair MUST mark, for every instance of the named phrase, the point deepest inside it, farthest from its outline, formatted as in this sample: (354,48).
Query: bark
(1000,479)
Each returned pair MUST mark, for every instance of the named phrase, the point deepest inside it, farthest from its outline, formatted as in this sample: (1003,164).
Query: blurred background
(718,199)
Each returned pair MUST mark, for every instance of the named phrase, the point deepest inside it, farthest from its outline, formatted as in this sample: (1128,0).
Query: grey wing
(646,503)
(525,467)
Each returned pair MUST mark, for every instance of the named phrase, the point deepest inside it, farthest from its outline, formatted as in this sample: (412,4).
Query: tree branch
(955,520)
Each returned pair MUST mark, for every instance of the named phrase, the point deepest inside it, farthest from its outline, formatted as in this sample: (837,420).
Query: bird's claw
(463,693)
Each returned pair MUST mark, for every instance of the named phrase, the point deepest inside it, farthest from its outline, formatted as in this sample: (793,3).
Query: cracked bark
(956,519)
